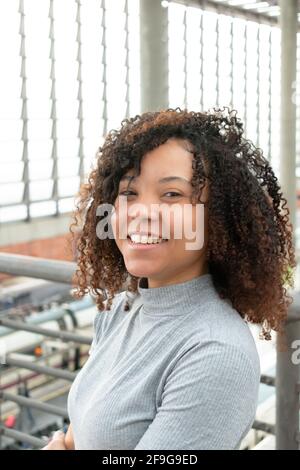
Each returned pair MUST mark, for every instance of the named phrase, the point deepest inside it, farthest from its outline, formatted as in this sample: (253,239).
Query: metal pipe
(21,436)
(265,427)
(62,374)
(63,335)
(54,313)
(267,380)
(32,403)
(42,268)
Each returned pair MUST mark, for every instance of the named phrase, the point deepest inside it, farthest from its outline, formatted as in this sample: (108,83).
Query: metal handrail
(22,436)
(63,335)
(54,372)
(32,403)
(41,268)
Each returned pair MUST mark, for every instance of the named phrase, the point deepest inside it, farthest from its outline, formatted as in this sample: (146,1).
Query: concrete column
(154,55)
(288,383)
(289,25)
(287,369)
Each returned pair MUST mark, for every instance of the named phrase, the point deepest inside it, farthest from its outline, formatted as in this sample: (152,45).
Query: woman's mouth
(145,245)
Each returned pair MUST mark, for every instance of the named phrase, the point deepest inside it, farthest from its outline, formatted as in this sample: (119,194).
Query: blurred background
(71,70)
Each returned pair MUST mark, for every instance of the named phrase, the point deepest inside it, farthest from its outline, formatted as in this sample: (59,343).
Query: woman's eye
(172,192)
(122,193)
(128,193)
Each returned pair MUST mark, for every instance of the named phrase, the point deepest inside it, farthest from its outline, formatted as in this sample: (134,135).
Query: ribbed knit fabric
(179,371)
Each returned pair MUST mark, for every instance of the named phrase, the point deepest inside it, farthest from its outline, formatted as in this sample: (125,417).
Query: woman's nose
(145,213)
(145,206)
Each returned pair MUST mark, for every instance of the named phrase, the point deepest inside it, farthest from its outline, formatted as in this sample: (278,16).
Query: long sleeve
(208,402)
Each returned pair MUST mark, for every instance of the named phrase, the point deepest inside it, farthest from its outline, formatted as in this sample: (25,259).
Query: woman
(178,368)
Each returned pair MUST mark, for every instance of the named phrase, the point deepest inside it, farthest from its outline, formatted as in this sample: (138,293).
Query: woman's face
(158,204)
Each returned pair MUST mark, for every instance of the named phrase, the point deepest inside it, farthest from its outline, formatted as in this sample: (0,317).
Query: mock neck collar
(176,299)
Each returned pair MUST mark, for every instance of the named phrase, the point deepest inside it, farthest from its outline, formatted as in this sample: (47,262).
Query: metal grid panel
(71,73)
(236,63)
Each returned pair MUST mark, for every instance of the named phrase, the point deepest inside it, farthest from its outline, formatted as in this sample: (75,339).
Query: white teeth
(144,239)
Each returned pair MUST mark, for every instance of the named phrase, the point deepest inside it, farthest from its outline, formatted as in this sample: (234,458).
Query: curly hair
(250,249)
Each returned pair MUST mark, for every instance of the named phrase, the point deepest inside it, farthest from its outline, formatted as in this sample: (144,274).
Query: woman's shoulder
(222,328)
(222,357)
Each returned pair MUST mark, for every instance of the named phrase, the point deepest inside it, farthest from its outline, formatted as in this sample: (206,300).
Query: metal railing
(52,371)
(41,268)
(32,403)
(51,270)
(22,436)
(286,382)
(63,335)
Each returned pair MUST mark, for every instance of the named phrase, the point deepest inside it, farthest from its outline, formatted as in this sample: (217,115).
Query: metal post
(289,27)
(154,55)
(287,382)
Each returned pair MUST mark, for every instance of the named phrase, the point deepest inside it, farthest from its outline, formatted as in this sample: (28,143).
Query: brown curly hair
(250,251)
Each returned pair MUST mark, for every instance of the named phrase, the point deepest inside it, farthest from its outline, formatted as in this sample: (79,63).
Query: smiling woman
(248,244)
(201,240)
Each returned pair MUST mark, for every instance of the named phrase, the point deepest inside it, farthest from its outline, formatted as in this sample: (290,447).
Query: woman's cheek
(119,224)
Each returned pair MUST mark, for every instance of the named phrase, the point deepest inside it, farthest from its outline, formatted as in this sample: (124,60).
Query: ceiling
(267,11)
(268,8)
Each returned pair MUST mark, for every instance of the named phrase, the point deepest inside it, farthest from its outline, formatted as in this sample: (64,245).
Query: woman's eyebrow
(127,177)
(166,179)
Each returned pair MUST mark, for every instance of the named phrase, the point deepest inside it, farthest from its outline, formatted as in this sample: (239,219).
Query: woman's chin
(141,271)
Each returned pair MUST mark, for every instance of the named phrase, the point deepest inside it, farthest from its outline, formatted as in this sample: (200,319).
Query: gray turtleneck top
(179,370)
